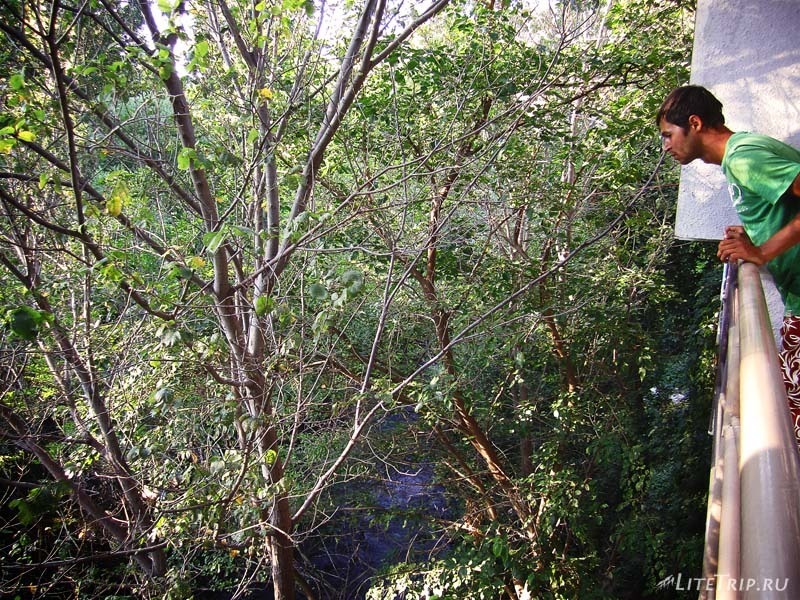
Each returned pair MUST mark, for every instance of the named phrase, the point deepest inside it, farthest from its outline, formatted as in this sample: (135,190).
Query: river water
(388,517)
(400,524)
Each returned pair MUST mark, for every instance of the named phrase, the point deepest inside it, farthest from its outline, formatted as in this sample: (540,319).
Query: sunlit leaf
(196,262)
(119,197)
(185,158)
(16,82)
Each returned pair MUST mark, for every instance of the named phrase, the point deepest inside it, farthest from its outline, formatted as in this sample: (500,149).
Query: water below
(389,518)
(400,525)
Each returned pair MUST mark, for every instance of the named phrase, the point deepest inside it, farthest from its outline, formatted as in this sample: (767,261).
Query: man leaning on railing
(764,181)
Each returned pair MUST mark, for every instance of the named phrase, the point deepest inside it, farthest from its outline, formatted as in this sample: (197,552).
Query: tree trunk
(281,549)
(525,442)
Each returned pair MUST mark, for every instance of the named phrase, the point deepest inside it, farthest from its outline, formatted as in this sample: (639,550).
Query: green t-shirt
(760,170)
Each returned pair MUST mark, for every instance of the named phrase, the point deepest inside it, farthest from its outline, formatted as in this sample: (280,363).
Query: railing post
(728,569)
(717,552)
(729,566)
(769,464)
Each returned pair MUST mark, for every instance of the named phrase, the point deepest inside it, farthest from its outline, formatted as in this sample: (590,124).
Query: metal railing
(753,522)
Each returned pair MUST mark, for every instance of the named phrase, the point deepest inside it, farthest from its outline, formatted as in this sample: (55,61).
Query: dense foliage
(263,261)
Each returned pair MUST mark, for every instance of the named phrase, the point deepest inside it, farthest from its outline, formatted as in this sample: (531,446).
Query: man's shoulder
(759,167)
(745,141)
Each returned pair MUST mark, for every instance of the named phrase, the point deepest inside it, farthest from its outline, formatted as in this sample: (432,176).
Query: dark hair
(689,100)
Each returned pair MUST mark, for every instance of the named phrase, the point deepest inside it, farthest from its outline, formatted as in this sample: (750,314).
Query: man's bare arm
(737,245)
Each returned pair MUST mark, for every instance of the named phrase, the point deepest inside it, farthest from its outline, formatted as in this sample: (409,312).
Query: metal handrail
(753,524)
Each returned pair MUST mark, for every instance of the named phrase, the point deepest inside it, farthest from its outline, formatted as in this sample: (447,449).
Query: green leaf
(353,281)
(16,82)
(25,514)
(201,49)
(321,322)
(25,321)
(26,136)
(242,231)
(166,6)
(185,158)
(165,70)
(180,271)
(110,272)
(213,240)
(263,305)
(317,291)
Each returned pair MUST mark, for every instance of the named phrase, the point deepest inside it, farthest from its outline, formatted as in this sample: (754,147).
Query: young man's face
(682,144)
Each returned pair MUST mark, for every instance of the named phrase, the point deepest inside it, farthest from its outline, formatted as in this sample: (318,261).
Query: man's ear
(695,122)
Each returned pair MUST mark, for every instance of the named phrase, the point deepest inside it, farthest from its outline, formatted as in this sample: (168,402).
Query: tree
(537,274)
(84,165)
